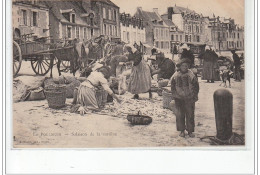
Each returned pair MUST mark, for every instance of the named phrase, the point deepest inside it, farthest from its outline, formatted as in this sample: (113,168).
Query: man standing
(237,64)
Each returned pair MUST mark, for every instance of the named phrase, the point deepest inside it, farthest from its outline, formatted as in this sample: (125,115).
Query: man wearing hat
(237,64)
(185,89)
(166,67)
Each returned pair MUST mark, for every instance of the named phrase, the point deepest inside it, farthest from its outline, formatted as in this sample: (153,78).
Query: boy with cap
(185,89)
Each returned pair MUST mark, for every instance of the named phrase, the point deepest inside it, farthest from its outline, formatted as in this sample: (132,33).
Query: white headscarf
(185,46)
(213,48)
(207,48)
(132,47)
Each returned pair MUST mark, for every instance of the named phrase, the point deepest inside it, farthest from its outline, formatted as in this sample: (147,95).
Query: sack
(35,95)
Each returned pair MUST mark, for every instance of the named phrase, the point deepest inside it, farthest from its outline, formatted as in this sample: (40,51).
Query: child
(185,89)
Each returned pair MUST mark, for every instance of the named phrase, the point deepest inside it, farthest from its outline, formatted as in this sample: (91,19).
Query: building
(191,23)
(68,20)
(107,17)
(132,29)
(30,17)
(224,33)
(157,32)
(176,35)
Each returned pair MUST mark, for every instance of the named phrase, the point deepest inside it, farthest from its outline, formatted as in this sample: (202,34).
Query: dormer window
(69,14)
(73,17)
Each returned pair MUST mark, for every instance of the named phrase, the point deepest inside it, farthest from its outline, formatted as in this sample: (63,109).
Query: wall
(42,20)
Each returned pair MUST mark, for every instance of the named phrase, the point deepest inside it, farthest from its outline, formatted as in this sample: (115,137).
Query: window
(35,18)
(69,32)
(234,35)
(162,45)
(84,33)
(218,35)
(240,43)
(91,32)
(73,18)
(105,29)
(189,38)
(116,30)
(180,37)
(104,13)
(111,30)
(157,44)
(237,43)
(172,37)
(115,16)
(198,38)
(77,32)
(238,35)
(186,38)
(91,21)
(156,33)
(127,36)
(24,17)
(161,33)
(109,15)
(177,38)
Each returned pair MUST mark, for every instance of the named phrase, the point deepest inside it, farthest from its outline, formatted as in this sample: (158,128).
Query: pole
(223,103)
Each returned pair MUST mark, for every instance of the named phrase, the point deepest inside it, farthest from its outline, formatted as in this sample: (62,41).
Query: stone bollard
(223,104)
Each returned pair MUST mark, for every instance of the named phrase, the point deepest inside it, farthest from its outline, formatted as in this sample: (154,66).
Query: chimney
(155,10)
(170,12)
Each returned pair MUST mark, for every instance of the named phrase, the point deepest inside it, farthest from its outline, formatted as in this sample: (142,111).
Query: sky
(223,8)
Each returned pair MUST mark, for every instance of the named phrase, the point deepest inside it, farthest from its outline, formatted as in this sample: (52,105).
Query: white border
(190,161)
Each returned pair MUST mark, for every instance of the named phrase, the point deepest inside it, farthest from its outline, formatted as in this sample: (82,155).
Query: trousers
(185,115)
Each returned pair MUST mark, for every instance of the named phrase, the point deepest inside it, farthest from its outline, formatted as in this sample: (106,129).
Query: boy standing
(185,89)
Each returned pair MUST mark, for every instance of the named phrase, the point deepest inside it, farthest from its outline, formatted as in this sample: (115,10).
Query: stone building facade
(157,32)
(30,17)
(132,29)
(107,18)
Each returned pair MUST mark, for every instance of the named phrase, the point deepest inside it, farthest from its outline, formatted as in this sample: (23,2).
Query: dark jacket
(188,54)
(236,59)
(167,68)
(135,57)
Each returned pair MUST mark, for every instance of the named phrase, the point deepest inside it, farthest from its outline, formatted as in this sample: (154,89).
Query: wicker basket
(167,98)
(56,96)
(139,119)
(101,96)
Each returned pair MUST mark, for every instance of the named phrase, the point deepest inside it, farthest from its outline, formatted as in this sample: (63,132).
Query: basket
(163,83)
(167,98)
(139,119)
(101,96)
(56,96)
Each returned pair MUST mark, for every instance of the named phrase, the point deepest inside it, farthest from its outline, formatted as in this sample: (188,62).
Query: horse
(65,51)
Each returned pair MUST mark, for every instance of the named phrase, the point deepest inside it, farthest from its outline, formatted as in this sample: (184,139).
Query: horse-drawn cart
(41,54)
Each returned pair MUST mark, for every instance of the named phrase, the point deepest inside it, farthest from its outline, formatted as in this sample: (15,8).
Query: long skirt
(208,71)
(140,79)
(87,98)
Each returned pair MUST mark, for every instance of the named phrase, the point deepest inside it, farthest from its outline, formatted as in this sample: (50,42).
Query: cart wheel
(41,65)
(66,64)
(17,58)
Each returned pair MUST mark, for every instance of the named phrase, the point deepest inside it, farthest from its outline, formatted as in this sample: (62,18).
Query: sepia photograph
(128,74)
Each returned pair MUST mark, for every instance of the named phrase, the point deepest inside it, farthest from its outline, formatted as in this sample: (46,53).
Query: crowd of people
(182,76)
